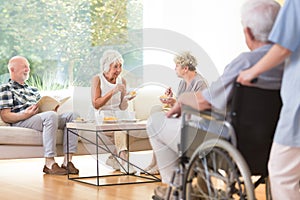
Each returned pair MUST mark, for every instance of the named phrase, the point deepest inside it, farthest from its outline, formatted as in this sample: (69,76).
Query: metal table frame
(73,128)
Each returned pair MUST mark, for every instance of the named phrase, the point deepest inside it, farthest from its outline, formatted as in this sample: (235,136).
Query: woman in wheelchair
(164,129)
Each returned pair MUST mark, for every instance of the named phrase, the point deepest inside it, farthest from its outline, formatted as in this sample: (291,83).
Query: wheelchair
(220,159)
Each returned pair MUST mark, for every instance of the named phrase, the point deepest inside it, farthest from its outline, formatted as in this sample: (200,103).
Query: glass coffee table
(95,136)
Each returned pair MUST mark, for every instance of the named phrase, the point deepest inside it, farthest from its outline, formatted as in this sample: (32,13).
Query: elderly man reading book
(18,106)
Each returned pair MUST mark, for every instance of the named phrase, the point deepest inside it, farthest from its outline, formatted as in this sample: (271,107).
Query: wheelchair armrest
(217,119)
(208,114)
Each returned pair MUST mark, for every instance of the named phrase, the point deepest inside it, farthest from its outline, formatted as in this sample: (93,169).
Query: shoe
(153,170)
(71,167)
(148,168)
(55,170)
(124,167)
(112,162)
(160,192)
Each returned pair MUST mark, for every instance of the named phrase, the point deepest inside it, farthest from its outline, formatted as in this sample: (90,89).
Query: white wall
(214,25)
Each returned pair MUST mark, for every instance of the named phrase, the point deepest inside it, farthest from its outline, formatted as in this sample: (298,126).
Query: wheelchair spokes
(213,174)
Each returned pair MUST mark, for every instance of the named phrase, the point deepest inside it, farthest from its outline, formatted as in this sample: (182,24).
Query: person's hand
(169,92)
(174,111)
(31,110)
(247,77)
(168,100)
(119,88)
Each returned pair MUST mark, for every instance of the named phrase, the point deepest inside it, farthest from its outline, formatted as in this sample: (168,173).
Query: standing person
(164,130)
(284,162)
(18,107)
(108,94)
(191,81)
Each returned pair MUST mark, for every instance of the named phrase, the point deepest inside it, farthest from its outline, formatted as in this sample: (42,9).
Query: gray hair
(109,57)
(259,16)
(15,60)
(186,59)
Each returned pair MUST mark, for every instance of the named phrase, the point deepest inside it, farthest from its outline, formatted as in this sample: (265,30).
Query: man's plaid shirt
(17,97)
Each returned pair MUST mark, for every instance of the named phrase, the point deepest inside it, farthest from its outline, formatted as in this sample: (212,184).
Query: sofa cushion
(147,100)
(24,136)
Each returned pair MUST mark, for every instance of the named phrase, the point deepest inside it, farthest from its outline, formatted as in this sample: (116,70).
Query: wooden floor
(23,179)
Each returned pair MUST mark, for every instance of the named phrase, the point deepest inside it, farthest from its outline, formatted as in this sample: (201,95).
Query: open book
(47,103)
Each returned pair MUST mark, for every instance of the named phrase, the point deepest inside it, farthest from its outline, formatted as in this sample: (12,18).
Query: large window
(64,39)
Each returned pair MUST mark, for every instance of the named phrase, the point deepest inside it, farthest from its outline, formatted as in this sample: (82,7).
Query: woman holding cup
(108,95)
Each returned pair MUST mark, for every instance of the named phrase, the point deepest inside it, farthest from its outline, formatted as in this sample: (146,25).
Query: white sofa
(18,142)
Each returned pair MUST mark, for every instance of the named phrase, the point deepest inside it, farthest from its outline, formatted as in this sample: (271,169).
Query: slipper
(153,170)
(148,168)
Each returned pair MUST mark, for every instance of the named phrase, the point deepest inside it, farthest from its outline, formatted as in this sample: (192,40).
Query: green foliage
(3,66)
(109,22)
(4,78)
(67,37)
(46,83)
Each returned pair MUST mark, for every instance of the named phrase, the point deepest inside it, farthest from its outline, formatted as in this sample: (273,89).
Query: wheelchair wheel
(218,171)
(268,189)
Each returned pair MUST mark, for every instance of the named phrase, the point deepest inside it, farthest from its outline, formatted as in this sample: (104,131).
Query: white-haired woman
(108,92)
(186,69)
